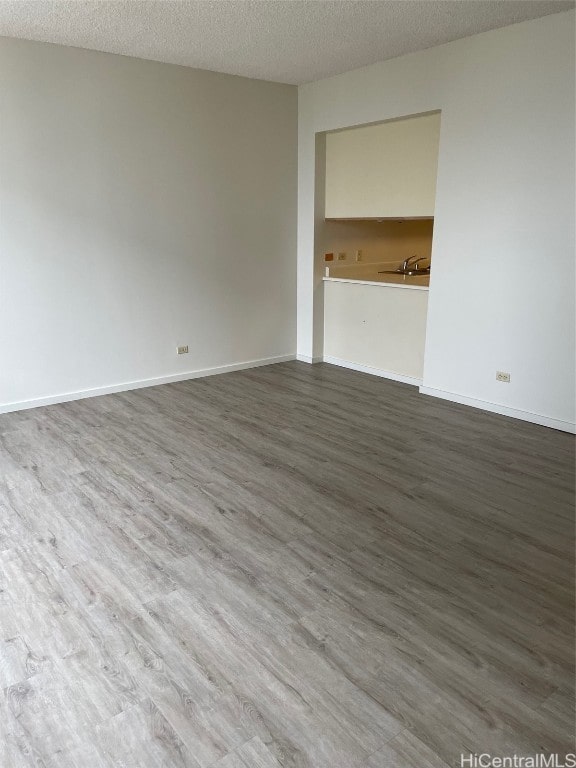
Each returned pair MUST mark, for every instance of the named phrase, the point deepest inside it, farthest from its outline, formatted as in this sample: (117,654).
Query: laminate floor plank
(296,566)
(405,751)
(252,754)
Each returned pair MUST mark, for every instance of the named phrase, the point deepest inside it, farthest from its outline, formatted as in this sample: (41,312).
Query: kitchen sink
(405,272)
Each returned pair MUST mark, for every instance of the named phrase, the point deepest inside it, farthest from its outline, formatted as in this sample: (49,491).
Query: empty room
(287,383)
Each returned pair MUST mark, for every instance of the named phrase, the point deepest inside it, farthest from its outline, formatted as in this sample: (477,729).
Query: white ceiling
(289,41)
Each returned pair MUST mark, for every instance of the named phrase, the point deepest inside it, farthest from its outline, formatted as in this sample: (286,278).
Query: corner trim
(373,371)
(125,386)
(309,359)
(503,410)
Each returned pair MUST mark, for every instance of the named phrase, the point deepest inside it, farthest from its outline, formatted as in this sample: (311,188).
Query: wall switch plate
(358,255)
(182,350)
(503,376)
(341,257)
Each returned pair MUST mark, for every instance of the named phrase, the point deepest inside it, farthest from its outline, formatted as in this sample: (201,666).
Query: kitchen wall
(390,241)
(142,206)
(504,210)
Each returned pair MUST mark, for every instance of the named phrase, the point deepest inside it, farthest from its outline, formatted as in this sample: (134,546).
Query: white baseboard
(109,390)
(309,359)
(373,371)
(503,410)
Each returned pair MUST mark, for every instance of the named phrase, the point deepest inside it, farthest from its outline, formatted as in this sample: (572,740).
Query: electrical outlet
(358,255)
(341,257)
(503,376)
(182,350)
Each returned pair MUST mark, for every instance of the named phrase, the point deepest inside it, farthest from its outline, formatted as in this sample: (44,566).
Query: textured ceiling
(290,41)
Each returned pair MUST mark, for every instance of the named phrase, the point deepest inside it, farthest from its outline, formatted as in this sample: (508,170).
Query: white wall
(142,206)
(502,288)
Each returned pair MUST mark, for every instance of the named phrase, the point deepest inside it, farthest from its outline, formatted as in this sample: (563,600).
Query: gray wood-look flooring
(296,566)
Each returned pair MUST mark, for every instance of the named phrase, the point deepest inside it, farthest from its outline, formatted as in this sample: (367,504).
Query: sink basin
(405,272)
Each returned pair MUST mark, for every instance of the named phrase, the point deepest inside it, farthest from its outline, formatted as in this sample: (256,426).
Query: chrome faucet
(410,267)
(412,263)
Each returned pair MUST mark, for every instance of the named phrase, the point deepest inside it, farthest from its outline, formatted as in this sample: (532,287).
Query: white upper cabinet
(384,170)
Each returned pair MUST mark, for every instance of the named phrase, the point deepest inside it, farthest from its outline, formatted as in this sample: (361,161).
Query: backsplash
(385,241)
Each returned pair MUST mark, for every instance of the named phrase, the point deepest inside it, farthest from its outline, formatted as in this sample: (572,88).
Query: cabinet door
(384,170)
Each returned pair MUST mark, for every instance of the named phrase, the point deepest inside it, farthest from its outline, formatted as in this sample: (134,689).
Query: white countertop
(370,273)
(414,282)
